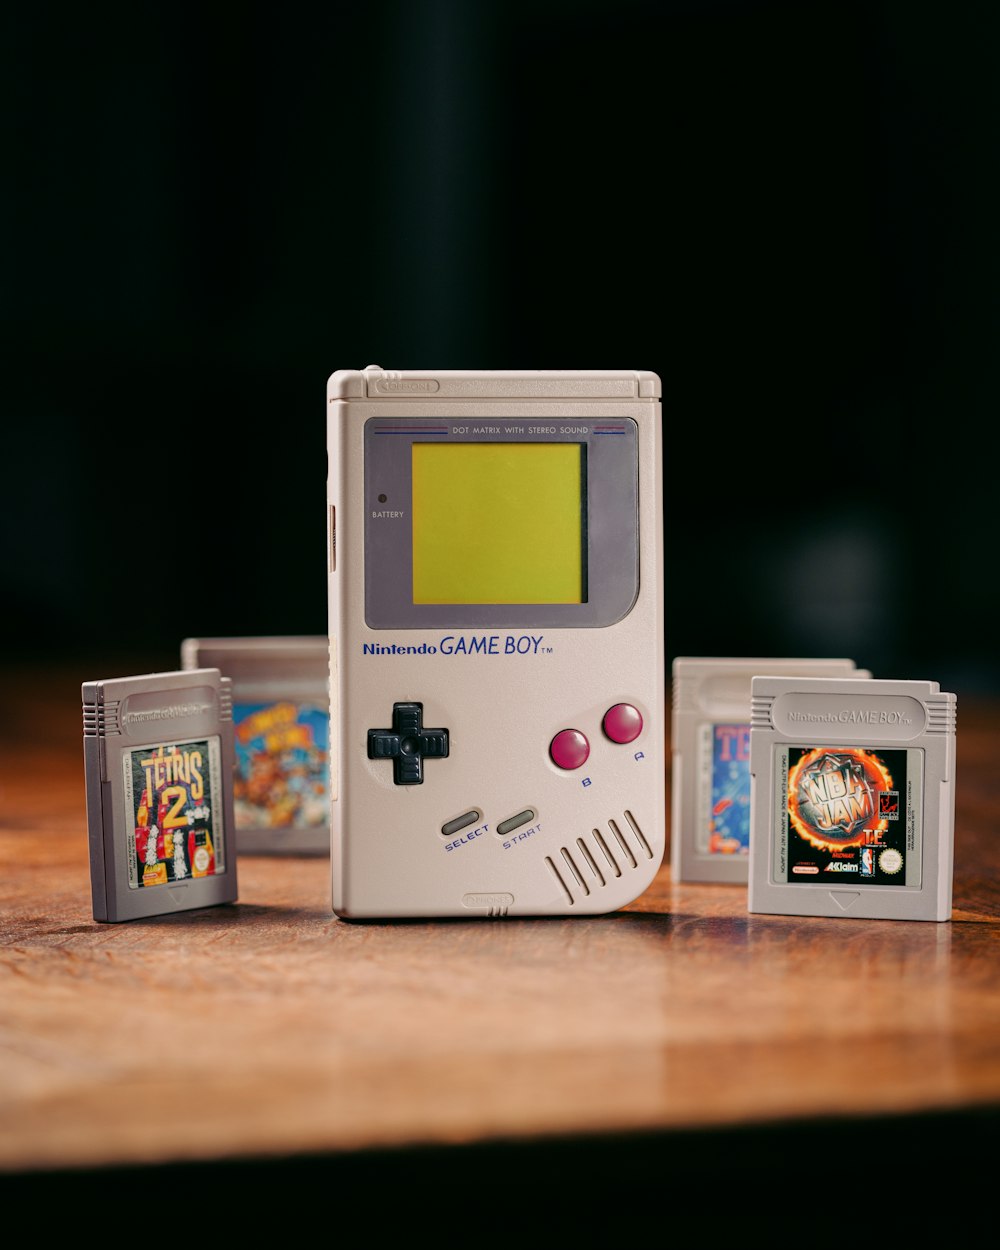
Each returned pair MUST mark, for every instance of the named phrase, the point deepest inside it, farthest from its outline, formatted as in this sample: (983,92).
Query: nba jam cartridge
(496,630)
(158,752)
(853,786)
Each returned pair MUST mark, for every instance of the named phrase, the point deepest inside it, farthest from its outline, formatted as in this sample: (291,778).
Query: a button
(569,748)
(407,744)
(623,722)
(460,822)
(515,822)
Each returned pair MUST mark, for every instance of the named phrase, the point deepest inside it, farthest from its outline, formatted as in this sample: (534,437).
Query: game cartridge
(710,744)
(158,753)
(281,731)
(853,798)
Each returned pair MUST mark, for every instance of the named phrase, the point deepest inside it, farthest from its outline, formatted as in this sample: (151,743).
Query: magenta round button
(569,748)
(623,723)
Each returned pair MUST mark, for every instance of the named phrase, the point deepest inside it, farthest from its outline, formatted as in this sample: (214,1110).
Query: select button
(460,822)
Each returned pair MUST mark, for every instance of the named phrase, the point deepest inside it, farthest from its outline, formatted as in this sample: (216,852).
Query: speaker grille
(597,858)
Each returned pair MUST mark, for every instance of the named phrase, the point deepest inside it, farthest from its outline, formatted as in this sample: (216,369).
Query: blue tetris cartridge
(710,774)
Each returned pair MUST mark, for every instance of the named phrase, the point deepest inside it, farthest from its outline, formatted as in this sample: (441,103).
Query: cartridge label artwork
(848,815)
(173,794)
(724,790)
(282,765)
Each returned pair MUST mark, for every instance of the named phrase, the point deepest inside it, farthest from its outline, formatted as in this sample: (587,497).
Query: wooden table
(678,1039)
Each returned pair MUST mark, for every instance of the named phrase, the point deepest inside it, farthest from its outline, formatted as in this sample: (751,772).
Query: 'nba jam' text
(833,797)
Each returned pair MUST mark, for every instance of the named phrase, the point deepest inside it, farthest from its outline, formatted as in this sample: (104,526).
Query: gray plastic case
(711,700)
(853,788)
(293,671)
(482,691)
(126,716)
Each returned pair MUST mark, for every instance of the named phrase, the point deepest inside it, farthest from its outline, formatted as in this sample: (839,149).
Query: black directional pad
(407,744)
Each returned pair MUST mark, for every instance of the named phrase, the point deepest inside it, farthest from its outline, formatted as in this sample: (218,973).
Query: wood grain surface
(270,1028)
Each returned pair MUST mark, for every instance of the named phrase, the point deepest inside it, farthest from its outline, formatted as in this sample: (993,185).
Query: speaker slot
(555,872)
(622,843)
(591,862)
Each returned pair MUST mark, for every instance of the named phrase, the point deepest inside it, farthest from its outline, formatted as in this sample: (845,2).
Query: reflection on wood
(270,1027)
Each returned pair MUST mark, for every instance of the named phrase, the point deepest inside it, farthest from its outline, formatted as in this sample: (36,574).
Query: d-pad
(407,744)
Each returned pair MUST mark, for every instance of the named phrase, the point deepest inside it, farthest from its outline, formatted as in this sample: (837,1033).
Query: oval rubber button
(515,822)
(569,748)
(460,822)
(623,722)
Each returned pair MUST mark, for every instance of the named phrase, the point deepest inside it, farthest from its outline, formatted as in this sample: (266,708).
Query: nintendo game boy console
(496,641)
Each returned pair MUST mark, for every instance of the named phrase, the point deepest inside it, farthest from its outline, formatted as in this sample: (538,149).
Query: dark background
(787,210)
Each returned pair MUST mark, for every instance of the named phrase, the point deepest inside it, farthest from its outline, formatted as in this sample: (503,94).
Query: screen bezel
(611,525)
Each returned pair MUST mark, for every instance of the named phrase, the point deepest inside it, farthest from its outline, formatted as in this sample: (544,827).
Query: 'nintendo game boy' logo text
(852,716)
(174,711)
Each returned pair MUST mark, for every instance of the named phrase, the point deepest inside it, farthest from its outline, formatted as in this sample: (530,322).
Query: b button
(569,749)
